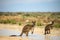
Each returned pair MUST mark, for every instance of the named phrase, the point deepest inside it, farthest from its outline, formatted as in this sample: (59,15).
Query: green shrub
(8,21)
(57,25)
(12,21)
(19,23)
(3,21)
(26,14)
(39,24)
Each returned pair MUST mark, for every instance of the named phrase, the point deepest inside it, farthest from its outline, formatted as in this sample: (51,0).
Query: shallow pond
(6,32)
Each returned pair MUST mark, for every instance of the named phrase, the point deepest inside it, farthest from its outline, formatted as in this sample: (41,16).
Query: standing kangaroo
(27,28)
(48,28)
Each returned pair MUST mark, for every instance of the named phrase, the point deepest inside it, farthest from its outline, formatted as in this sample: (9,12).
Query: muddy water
(34,36)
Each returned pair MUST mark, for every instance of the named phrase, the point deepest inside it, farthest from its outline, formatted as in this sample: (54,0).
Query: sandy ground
(14,38)
(37,30)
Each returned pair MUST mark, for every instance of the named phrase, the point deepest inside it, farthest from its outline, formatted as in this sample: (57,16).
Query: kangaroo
(48,28)
(27,28)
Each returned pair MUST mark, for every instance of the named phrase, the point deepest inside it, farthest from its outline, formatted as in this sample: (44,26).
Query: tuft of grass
(39,24)
(19,23)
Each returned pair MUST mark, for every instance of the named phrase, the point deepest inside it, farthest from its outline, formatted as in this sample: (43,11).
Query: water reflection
(34,37)
(47,37)
(39,37)
(26,38)
(6,32)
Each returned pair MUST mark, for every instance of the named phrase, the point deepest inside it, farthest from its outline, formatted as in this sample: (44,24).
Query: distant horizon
(29,5)
(47,12)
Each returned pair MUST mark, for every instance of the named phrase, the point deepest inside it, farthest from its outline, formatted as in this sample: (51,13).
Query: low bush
(12,21)
(19,23)
(8,21)
(57,25)
(39,24)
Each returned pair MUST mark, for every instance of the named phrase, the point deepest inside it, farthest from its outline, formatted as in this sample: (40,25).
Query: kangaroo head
(33,22)
(52,22)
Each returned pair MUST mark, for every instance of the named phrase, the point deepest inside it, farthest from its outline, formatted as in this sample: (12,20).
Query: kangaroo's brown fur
(27,28)
(48,28)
